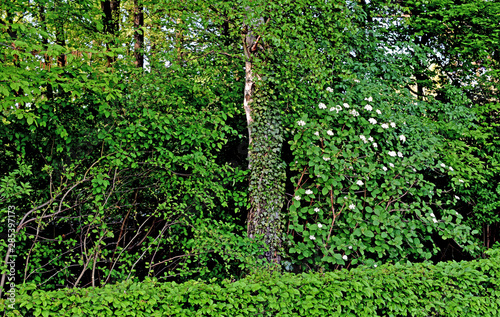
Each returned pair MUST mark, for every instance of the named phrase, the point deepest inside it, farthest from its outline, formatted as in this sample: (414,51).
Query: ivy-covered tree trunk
(267,172)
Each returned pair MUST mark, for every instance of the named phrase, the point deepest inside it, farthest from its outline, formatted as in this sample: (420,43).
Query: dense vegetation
(182,140)
(422,289)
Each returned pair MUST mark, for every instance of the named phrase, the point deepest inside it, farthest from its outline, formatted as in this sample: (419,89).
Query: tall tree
(138,34)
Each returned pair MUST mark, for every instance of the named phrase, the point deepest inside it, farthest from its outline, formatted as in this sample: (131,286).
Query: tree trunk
(267,173)
(111,22)
(138,34)
(45,43)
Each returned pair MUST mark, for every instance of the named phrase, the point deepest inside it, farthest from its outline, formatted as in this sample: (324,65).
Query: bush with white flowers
(370,212)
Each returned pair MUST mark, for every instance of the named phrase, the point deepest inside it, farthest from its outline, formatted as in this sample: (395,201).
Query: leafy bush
(363,160)
(447,289)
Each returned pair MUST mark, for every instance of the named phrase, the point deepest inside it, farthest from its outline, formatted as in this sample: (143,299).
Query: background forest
(206,139)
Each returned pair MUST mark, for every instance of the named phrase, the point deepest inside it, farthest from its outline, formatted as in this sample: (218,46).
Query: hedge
(446,289)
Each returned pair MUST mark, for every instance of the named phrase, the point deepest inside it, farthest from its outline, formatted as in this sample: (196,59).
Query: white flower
(344,257)
(392,153)
(362,137)
(368,107)
(442,165)
(461,180)
(329,132)
(370,139)
(359,182)
(432,215)
(402,138)
(312,237)
(350,247)
(378,111)
(345,105)
(385,126)
(372,121)
(391,165)
(338,108)
(457,198)
(456,213)
(322,105)
(316,133)
(326,158)
(352,206)
(384,168)
(375,145)
(309,192)
(301,123)
(451,168)
(356,80)
(354,113)
(369,99)
(320,225)
(329,89)
(297,197)
(393,124)
(316,209)
(435,220)
(374,265)
(400,154)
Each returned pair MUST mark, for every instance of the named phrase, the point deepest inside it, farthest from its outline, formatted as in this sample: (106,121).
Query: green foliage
(446,289)
(120,172)
(125,162)
(361,195)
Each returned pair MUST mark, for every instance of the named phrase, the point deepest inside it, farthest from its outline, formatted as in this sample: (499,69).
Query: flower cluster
(301,123)
(354,113)
(337,108)
(322,105)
